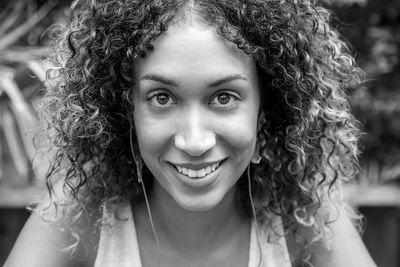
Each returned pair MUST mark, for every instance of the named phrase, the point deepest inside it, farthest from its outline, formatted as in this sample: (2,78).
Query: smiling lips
(199,173)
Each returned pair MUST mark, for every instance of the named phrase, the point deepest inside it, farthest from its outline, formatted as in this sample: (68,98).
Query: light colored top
(118,245)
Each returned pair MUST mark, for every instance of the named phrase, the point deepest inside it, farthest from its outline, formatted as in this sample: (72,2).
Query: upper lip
(196,166)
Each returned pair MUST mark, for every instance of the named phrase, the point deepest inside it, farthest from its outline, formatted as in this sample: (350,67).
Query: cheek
(240,133)
(151,134)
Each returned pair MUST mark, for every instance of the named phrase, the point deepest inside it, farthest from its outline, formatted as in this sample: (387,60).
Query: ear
(256,158)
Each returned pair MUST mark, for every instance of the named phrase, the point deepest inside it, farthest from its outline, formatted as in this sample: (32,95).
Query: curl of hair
(307,135)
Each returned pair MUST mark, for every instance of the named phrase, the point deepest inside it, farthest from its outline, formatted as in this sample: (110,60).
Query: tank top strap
(118,245)
(268,246)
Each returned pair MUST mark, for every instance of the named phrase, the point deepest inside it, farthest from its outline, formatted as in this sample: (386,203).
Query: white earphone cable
(140,178)
(254,215)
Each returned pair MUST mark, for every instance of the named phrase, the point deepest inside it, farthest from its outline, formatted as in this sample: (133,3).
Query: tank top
(118,244)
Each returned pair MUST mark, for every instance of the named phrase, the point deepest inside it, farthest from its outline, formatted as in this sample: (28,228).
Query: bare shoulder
(40,243)
(347,248)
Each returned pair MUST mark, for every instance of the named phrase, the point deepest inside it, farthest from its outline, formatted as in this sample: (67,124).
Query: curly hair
(307,135)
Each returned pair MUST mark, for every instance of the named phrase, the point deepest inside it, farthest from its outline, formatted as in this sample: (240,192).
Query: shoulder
(42,243)
(343,248)
(39,245)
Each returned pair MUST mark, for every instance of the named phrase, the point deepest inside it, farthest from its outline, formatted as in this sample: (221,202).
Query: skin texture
(194,127)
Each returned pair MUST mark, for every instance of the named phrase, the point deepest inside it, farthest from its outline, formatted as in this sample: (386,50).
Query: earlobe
(256,158)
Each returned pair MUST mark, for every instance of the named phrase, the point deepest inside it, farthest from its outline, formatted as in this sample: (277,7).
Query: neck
(176,225)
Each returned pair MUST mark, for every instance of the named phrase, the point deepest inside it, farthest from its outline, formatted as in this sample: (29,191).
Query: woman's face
(196,108)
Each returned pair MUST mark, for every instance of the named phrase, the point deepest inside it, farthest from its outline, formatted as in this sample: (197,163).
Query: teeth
(213,167)
(199,173)
(208,170)
(192,173)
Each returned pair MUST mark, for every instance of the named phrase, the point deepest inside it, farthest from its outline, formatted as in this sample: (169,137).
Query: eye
(160,99)
(225,98)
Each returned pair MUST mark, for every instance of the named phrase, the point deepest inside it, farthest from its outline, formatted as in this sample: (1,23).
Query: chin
(198,207)
(201,203)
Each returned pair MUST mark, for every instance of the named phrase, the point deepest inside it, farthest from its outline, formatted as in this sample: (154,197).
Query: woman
(198,133)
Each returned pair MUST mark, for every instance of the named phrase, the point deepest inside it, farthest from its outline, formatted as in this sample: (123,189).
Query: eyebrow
(166,81)
(158,78)
(226,80)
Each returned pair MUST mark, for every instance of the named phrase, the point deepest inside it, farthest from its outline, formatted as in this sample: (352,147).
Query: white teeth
(214,166)
(199,173)
(208,169)
(192,173)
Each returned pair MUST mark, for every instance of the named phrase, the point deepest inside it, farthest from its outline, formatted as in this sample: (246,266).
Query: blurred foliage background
(24,40)
(373,29)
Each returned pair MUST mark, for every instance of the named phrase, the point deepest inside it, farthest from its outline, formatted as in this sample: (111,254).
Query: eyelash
(230,94)
(152,98)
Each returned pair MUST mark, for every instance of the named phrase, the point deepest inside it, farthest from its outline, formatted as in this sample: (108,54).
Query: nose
(194,135)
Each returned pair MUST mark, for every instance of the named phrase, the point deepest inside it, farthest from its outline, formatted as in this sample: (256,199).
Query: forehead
(192,48)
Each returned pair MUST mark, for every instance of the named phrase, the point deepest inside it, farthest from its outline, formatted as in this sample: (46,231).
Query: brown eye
(160,99)
(225,99)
